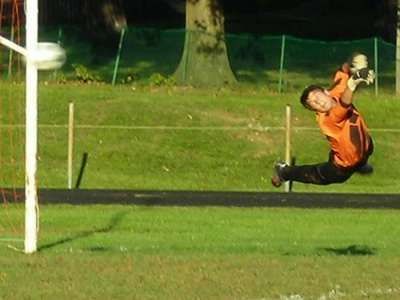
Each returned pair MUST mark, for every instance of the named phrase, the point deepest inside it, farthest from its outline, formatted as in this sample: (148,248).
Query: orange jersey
(340,83)
(347,134)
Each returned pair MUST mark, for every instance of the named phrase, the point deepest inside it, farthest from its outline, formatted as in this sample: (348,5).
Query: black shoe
(365,169)
(277,178)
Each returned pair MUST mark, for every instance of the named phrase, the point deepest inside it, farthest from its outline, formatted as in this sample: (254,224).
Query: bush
(157,79)
(84,75)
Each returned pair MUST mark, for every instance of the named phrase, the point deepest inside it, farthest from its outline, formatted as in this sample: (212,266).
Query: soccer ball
(48,56)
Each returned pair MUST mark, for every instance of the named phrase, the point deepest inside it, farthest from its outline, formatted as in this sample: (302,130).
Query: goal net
(18,125)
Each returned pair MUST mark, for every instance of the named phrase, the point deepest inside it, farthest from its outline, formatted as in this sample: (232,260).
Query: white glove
(359,61)
(363,75)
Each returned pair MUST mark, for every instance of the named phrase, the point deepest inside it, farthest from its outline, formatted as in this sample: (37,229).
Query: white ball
(48,56)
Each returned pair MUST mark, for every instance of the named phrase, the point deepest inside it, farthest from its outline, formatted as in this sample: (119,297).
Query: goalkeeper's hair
(306,92)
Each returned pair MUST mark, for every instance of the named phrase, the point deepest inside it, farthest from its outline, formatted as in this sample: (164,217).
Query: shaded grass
(255,59)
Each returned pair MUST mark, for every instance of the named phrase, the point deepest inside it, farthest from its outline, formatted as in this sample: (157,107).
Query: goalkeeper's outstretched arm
(347,97)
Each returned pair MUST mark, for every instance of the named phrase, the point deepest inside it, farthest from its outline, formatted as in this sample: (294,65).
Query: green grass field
(120,252)
(169,138)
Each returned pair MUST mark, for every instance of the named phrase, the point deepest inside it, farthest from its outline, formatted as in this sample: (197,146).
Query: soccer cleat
(366,169)
(277,178)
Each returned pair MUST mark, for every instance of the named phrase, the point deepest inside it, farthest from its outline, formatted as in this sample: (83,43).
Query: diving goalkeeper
(342,124)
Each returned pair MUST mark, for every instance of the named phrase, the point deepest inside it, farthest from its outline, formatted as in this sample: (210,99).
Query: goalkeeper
(342,124)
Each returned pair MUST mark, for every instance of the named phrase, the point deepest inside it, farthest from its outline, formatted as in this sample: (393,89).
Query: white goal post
(31,82)
(31,199)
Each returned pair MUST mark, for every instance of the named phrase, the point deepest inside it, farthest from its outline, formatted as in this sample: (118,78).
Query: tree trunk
(104,21)
(204,61)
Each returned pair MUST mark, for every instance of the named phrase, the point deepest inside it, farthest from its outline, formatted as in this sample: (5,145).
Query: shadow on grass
(353,250)
(115,220)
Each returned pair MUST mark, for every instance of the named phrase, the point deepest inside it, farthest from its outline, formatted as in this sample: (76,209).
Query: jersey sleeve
(340,84)
(340,112)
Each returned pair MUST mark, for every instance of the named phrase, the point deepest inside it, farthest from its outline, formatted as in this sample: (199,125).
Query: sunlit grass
(219,253)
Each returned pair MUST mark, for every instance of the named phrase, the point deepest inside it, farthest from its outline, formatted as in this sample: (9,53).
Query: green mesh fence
(280,63)
(288,63)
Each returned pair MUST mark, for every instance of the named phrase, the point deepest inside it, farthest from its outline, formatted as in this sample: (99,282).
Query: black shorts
(324,173)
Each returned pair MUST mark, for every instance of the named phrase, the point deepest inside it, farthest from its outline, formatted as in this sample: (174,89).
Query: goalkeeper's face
(320,101)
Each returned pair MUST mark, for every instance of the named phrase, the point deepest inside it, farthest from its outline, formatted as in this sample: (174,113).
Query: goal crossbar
(13,46)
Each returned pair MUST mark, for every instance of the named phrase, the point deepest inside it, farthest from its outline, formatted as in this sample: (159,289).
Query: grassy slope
(185,159)
(196,159)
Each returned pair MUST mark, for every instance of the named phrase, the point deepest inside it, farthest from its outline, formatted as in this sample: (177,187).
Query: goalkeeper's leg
(322,173)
